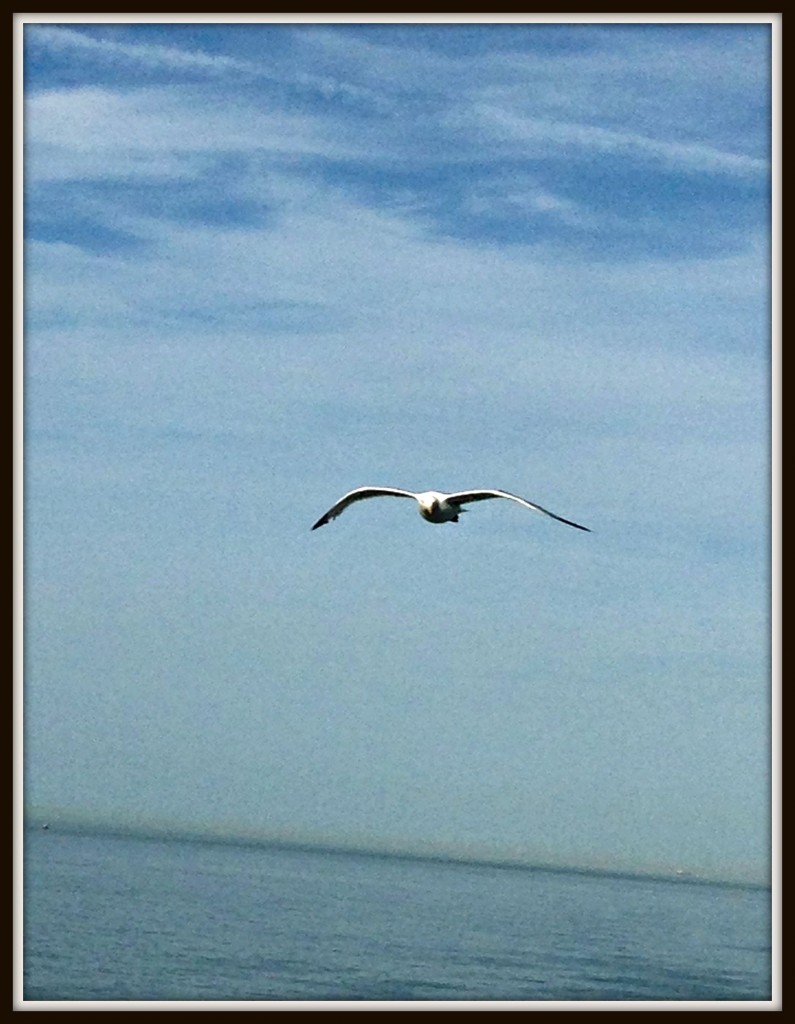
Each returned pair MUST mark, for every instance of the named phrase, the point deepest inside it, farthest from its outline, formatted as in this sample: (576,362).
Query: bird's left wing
(359,494)
(467,497)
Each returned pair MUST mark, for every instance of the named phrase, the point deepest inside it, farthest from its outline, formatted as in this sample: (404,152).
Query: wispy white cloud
(148,54)
(105,50)
(692,92)
(506,126)
(168,120)
(521,195)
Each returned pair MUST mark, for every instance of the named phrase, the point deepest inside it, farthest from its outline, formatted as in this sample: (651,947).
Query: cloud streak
(503,125)
(170,58)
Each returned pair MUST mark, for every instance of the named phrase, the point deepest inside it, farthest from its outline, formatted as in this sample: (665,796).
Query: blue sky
(265,264)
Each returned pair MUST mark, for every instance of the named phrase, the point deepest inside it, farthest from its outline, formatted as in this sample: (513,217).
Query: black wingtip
(568,522)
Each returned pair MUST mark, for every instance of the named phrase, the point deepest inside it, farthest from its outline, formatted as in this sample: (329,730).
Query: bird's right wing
(359,494)
(466,497)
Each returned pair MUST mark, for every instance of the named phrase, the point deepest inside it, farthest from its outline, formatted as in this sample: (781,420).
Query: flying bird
(434,506)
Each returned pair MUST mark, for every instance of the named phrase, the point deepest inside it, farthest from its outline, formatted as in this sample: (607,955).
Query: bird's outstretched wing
(466,497)
(359,494)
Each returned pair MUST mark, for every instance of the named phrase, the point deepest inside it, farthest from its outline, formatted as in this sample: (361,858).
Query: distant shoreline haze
(71,821)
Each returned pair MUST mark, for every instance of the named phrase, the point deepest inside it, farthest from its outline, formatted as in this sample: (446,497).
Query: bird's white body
(435,506)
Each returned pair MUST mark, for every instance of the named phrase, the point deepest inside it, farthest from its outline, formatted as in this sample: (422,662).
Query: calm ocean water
(118,918)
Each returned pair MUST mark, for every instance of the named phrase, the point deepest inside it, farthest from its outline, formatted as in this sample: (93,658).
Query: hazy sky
(265,264)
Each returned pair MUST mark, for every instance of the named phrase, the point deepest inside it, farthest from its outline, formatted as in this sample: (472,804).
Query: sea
(135,919)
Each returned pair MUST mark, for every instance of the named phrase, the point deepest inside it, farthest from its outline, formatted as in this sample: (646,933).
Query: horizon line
(440,852)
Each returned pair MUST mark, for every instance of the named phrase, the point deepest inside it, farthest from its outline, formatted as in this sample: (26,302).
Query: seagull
(434,506)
